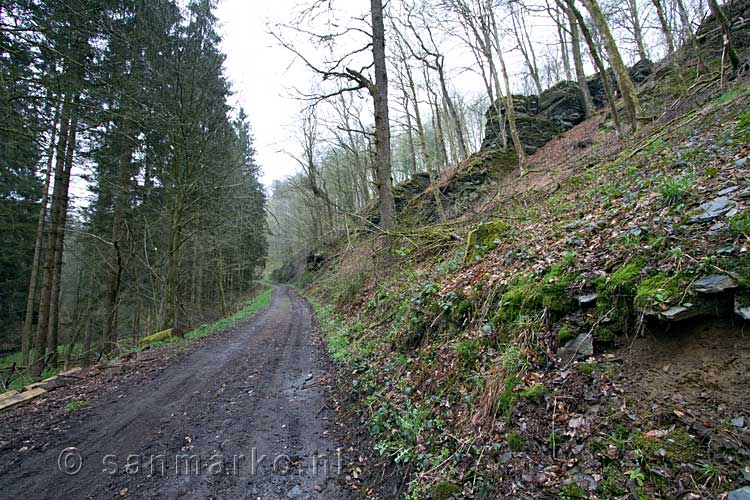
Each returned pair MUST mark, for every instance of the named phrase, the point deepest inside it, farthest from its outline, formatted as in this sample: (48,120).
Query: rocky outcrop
(738,13)
(538,118)
(541,118)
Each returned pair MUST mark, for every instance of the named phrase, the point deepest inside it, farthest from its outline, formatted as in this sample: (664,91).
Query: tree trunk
(726,31)
(627,89)
(637,30)
(665,29)
(56,290)
(423,142)
(30,300)
(575,42)
(382,124)
(603,74)
(690,36)
(509,105)
(45,298)
(121,190)
(457,124)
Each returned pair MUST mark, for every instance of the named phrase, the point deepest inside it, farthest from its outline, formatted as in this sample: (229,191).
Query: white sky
(261,77)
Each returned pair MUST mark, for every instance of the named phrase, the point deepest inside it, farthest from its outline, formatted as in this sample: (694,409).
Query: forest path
(245,417)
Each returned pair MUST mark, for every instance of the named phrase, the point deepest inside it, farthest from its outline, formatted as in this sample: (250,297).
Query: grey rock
(728,250)
(738,422)
(587,299)
(741,494)
(295,492)
(745,193)
(677,313)
(729,190)
(714,283)
(743,311)
(741,162)
(717,228)
(580,347)
(713,209)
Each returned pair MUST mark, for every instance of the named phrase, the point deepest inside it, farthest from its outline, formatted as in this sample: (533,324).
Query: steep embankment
(578,333)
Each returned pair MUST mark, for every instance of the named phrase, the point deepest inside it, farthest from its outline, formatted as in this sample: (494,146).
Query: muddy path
(245,416)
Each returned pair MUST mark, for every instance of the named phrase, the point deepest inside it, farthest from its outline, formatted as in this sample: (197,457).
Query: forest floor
(245,413)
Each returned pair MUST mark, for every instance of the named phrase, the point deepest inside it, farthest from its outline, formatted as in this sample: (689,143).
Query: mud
(245,415)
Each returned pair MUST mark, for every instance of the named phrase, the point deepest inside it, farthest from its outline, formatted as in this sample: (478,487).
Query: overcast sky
(261,77)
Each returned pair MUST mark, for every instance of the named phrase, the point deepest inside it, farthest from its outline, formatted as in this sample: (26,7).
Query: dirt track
(243,417)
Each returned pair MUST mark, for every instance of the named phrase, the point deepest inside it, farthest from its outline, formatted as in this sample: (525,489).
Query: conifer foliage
(130,194)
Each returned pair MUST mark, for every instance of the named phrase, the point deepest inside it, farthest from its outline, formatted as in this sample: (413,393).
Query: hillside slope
(576,333)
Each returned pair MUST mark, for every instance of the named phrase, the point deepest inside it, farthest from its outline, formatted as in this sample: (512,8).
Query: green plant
(611,484)
(572,491)
(515,441)
(637,476)
(534,393)
(569,258)
(504,403)
(77,405)
(468,351)
(740,224)
(729,95)
(675,189)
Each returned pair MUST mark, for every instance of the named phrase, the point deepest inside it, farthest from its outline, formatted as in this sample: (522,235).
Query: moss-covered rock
(530,295)
(483,238)
(661,290)
(566,333)
(156,337)
(445,490)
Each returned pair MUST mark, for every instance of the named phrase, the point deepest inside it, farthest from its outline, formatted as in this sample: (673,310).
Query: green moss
(740,267)
(527,296)
(462,311)
(565,333)
(445,490)
(612,482)
(624,279)
(484,238)
(680,447)
(535,393)
(740,224)
(586,368)
(572,491)
(661,289)
(504,403)
(515,441)
(604,334)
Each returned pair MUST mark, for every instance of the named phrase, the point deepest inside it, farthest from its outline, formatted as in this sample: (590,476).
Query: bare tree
(603,73)
(357,79)
(624,82)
